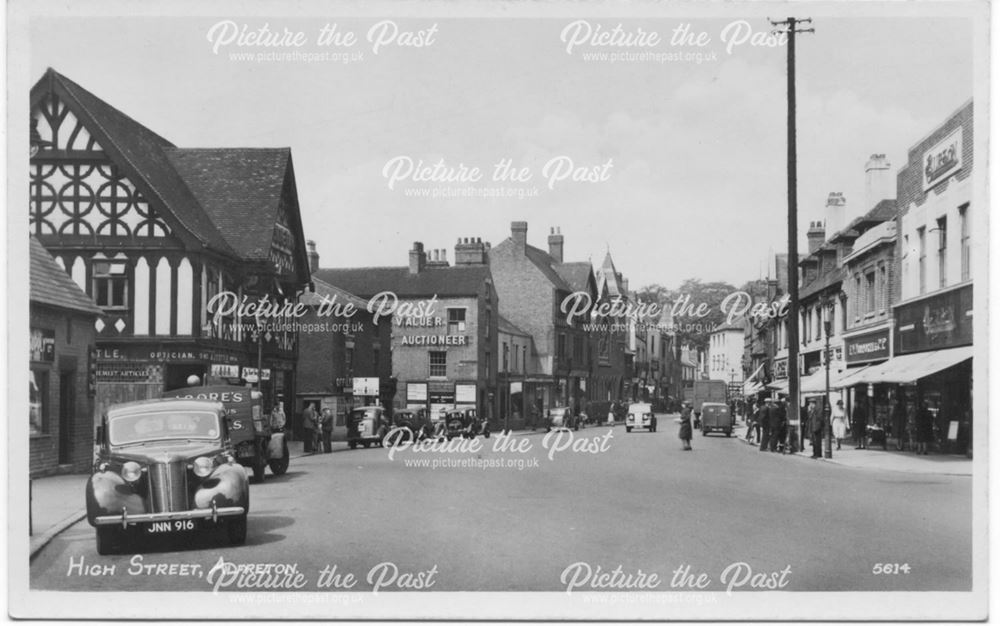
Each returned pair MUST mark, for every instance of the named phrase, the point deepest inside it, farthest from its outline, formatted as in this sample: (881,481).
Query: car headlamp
(131,471)
(631,417)
(203,466)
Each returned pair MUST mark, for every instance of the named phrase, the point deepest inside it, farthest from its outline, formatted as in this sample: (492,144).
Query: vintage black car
(164,467)
(254,442)
(410,424)
(465,423)
(366,425)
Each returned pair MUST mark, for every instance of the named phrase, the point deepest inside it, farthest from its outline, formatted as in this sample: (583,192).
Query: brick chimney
(519,233)
(836,210)
(470,251)
(816,235)
(880,184)
(437,258)
(313,256)
(418,259)
(556,244)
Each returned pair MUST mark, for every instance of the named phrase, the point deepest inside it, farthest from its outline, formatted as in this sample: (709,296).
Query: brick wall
(74,336)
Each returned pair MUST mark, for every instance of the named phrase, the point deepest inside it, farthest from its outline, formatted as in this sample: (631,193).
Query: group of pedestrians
(767,424)
(318,427)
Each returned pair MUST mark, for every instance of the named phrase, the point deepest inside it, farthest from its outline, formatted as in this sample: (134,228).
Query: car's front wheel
(236,529)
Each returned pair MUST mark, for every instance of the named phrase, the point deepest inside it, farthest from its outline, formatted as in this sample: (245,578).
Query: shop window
(869,292)
(506,356)
(38,402)
(922,260)
(963,216)
(110,284)
(942,228)
(456,321)
(438,363)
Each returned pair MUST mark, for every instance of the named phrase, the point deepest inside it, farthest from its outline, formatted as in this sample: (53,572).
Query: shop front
(880,400)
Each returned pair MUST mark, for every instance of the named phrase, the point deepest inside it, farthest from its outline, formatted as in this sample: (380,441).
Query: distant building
(335,350)
(444,325)
(532,285)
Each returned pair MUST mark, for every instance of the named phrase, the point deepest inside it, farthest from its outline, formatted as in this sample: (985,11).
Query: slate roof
(240,188)
(883,211)
(49,284)
(504,325)
(323,288)
(544,262)
(451,281)
(577,275)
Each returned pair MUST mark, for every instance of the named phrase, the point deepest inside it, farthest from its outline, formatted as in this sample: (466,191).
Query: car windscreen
(640,408)
(163,425)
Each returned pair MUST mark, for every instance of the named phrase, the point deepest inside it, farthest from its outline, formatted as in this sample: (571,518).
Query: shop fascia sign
(943,160)
(250,374)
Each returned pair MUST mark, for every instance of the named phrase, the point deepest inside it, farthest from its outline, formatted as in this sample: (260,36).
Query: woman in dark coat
(685,432)
(925,428)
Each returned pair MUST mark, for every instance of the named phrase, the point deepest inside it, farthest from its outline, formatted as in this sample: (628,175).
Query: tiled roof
(51,285)
(831,276)
(883,211)
(323,288)
(544,262)
(504,325)
(451,281)
(240,188)
(577,275)
(134,146)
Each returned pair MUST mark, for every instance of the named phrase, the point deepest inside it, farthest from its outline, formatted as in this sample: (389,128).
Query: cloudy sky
(696,185)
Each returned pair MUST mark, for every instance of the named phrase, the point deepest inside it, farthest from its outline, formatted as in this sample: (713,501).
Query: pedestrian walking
(751,417)
(815,424)
(309,426)
(326,424)
(685,431)
(859,426)
(764,422)
(278,416)
(838,421)
(925,428)
(776,424)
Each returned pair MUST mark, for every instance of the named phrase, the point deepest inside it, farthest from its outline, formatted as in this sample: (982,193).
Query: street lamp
(828,436)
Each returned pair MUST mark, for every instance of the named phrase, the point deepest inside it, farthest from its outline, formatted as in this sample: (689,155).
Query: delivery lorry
(708,391)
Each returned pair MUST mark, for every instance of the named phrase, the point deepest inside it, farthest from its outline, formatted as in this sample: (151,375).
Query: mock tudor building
(444,325)
(532,285)
(153,232)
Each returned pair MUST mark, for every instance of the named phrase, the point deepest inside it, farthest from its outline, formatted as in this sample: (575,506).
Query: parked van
(715,416)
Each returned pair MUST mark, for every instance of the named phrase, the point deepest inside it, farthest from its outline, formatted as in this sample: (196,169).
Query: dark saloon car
(165,467)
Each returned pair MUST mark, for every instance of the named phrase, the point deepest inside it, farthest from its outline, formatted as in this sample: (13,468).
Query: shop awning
(851,376)
(910,368)
(781,386)
(816,382)
(751,388)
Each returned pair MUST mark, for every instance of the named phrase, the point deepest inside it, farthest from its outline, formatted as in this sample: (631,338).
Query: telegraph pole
(789,26)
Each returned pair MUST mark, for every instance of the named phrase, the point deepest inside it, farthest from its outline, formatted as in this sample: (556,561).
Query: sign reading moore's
(873,346)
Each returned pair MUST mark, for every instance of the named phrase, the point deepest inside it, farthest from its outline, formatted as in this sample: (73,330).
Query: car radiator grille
(168,487)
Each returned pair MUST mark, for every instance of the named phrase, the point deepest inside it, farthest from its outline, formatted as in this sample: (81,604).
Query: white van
(640,415)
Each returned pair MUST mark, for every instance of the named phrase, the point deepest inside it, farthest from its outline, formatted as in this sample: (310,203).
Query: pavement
(56,502)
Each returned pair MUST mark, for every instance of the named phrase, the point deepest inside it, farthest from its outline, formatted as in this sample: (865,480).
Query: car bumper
(143,518)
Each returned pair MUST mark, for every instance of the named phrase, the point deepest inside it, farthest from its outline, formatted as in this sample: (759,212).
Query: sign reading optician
(943,160)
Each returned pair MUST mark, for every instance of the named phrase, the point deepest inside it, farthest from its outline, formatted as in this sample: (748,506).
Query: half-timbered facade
(153,232)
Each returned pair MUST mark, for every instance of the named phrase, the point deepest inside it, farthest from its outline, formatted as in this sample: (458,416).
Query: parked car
(640,415)
(416,422)
(561,417)
(715,416)
(366,425)
(165,467)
